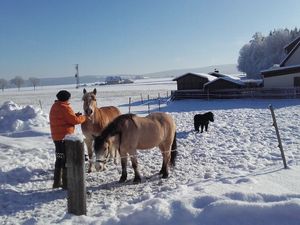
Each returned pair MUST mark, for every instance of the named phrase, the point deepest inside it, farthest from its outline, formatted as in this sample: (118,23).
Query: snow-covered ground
(231,175)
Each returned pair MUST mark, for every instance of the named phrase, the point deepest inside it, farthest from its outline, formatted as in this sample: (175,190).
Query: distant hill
(70,80)
(227,69)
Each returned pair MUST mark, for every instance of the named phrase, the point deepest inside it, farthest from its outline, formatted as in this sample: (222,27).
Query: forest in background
(263,52)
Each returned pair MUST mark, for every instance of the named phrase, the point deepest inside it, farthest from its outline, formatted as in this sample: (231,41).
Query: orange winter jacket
(63,120)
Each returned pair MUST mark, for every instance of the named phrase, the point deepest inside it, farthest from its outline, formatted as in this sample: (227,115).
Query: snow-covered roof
(256,81)
(295,44)
(291,45)
(203,75)
(277,71)
(230,79)
(217,74)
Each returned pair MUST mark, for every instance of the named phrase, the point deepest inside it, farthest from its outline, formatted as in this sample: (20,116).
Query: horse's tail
(173,151)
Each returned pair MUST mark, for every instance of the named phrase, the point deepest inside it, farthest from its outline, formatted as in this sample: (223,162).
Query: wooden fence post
(158,104)
(75,177)
(129,104)
(41,104)
(278,136)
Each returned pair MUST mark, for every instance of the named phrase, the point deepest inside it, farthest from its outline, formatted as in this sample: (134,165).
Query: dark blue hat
(63,95)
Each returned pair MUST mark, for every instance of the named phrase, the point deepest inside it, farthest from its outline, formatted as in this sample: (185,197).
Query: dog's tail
(173,151)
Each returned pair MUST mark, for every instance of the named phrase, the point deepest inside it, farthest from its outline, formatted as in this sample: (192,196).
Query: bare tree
(18,81)
(34,81)
(3,84)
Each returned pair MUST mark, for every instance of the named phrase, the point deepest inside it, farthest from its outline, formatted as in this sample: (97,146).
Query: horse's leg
(196,126)
(124,168)
(89,145)
(166,153)
(137,176)
(206,126)
(202,126)
(114,153)
(117,155)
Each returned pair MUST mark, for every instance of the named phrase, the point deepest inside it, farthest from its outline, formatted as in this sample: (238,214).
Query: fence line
(237,93)
(147,103)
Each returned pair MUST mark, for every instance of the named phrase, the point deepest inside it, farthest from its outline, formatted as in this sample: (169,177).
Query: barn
(224,83)
(287,74)
(192,81)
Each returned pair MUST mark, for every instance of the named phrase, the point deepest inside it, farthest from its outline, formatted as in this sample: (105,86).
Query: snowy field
(230,175)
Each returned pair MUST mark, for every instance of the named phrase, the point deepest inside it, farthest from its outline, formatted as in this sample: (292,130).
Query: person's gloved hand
(78,114)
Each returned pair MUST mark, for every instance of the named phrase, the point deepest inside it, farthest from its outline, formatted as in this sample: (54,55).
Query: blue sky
(45,38)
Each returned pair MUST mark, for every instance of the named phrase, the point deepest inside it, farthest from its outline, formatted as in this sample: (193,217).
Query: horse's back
(106,115)
(111,111)
(161,117)
(155,129)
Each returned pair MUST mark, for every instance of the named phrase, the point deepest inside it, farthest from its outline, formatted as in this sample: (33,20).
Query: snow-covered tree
(17,81)
(3,84)
(34,81)
(263,52)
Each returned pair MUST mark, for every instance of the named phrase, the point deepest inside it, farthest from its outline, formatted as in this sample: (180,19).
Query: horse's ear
(95,91)
(84,91)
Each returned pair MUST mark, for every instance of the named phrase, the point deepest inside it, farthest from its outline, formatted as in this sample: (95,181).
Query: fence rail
(237,93)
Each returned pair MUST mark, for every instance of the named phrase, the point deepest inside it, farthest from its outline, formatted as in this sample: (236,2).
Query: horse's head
(211,116)
(89,102)
(101,149)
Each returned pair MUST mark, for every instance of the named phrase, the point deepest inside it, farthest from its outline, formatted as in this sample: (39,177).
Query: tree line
(263,52)
(18,81)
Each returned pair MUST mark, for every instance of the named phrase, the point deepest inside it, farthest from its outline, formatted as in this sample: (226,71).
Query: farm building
(216,73)
(191,81)
(287,74)
(225,82)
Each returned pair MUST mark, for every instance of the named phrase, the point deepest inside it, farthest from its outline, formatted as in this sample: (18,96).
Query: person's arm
(72,118)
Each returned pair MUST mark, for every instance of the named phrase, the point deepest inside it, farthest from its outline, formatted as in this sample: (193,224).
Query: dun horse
(129,132)
(98,119)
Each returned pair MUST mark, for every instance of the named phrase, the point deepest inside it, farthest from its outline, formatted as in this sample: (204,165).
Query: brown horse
(98,119)
(129,132)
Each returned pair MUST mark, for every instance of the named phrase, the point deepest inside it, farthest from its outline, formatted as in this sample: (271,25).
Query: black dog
(203,120)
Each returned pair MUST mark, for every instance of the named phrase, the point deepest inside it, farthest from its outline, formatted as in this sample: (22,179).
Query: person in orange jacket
(62,122)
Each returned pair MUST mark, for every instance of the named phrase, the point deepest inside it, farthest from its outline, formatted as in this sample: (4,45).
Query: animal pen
(76,179)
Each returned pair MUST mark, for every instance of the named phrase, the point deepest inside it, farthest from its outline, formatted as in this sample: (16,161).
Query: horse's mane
(113,128)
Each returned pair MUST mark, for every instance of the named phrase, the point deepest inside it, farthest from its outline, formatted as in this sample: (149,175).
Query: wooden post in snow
(75,177)
(158,99)
(278,136)
(129,104)
(159,104)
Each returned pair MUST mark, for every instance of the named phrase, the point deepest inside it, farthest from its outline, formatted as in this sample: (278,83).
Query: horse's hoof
(165,176)
(137,180)
(122,179)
